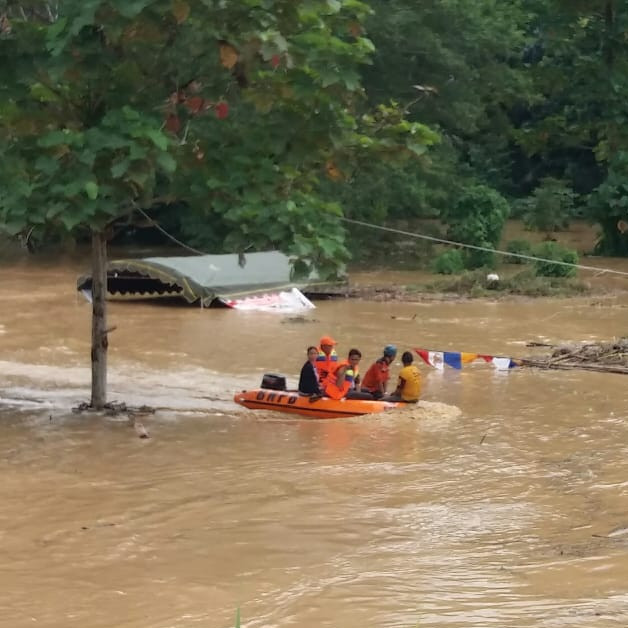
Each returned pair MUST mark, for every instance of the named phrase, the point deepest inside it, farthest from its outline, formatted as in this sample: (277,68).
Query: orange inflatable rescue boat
(272,395)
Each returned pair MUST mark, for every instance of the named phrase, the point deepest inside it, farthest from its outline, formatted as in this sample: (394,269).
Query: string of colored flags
(456,359)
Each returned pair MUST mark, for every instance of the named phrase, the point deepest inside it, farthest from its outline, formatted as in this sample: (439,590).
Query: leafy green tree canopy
(234,111)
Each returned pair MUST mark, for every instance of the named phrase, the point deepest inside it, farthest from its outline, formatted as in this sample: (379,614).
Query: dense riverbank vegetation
(258,125)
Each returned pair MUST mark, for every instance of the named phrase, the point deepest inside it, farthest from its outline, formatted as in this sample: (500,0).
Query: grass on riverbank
(475,285)
(524,283)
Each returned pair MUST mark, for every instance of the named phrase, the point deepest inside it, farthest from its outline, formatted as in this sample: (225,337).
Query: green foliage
(559,253)
(579,124)
(458,66)
(382,191)
(390,249)
(227,116)
(608,205)
(83,176)
(449,262)
(528,283)
(386,111)
(454,66)
(550,207)
(477,218)
(520,247)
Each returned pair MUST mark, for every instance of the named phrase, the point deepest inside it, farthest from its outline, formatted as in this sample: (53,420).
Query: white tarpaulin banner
(285,302)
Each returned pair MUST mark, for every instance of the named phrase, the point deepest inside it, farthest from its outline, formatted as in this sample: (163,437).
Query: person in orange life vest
(341,381)
(409,386)
(327,358)
(376,379)
(353,372)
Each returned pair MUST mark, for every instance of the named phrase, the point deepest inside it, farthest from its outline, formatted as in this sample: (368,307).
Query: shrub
(477,218)
(550,207)
(558,252)
(528,283)
(520,247)
(449,263)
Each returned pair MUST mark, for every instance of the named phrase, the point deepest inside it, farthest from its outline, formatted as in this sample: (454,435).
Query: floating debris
(140,430)
(611,357)
(298,319)
(403,318)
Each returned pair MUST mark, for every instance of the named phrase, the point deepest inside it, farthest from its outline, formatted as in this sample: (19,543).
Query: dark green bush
(520,247)
(559,253)
(550,207)
(477,218)
(449,263)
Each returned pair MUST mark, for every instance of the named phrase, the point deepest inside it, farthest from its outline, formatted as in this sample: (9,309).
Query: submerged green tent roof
(205,277)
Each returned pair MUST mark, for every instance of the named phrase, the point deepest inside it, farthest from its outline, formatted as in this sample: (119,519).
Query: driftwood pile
(611,357)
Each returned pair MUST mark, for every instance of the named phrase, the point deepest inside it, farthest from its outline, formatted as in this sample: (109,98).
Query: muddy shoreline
(402,294)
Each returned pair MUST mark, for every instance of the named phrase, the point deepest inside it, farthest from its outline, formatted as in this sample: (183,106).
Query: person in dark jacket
(308,380)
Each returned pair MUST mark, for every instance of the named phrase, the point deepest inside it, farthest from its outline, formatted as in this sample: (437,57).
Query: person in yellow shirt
(409,384)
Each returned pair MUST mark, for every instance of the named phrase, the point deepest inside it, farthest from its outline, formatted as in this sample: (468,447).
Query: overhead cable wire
(170,237)
(419,236)
(476,247)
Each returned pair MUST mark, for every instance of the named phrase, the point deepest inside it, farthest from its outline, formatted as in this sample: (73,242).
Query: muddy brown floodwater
(500,501)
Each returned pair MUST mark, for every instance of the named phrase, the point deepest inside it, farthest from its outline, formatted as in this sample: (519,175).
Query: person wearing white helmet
(376,378)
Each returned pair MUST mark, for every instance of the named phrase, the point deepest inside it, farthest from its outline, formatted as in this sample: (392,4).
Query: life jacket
(330,385)
(379,372)
(325,364)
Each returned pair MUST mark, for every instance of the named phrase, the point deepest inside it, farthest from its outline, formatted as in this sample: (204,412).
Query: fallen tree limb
(594,366)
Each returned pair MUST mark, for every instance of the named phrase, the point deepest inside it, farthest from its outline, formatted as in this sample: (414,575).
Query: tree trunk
(99,320)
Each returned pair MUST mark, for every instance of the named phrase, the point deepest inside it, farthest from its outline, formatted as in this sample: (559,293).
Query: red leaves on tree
(173,124)
(222,110)
(194,104)
(355,28)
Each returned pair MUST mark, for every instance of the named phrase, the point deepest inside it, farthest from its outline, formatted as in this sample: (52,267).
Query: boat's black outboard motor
(273,382)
